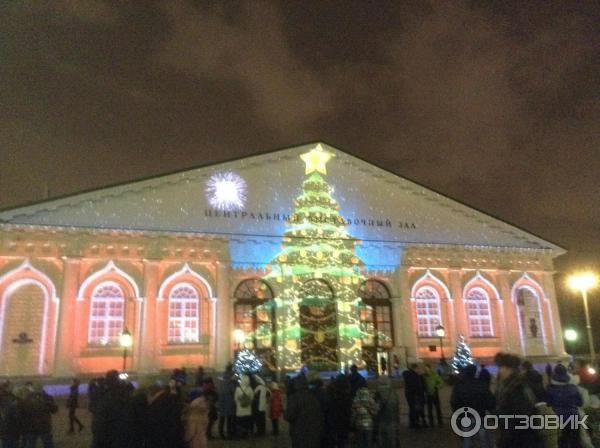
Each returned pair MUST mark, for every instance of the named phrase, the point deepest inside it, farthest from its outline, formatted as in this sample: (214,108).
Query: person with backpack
(364,410)
(72,405)
(259,405)
(243,397)
(388,416)
(37,410)
(514,397)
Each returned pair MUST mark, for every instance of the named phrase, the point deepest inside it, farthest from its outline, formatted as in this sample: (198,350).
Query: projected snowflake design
(226,191)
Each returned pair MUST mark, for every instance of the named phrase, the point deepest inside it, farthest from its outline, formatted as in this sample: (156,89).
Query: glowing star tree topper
(226,191)
(316,160)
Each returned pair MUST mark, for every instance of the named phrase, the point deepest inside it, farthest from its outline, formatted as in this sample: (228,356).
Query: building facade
(321,259)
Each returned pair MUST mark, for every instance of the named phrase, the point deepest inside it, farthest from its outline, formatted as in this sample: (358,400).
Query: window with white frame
(427,304)
(107,314)
(479,314)
(184,314)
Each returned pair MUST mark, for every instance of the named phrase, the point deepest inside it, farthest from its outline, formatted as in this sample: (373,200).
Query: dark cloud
(495,103)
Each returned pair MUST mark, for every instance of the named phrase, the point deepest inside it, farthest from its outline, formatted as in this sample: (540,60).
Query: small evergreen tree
(246,363)
(462,357)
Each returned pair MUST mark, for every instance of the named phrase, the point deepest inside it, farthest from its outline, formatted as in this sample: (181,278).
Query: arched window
(254,312)
(376,315)
(316,289)
(530,316)
(479,314)
(184,314)
(427,304)
(107,314)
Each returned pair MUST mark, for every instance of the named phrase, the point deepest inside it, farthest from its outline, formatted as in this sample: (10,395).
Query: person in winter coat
(357,381)
(304,415)
(433,383)
(485,376)
(226,405)
(586,439)
(566,400)
(549,435)
(195,421)
(164,424)
(473,393)
(210,395)
(243,397)
(514,397)
(315,386)
(388,415)
(339,394)
(364,410)
(138,415)
(275,407)
(110,424)
(10,416)
(37,409)
(260,402)
(72,405)
(414,391)
(533,378)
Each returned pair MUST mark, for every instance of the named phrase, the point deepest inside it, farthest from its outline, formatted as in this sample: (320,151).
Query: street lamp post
(441,332)
(582,283)
(126,341)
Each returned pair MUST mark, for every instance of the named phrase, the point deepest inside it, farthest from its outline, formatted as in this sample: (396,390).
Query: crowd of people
(25,416)
(344,411)
(521,390)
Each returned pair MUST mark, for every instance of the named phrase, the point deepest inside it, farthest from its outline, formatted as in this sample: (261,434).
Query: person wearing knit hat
(565,399)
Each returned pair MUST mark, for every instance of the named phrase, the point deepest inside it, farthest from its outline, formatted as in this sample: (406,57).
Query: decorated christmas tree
(246,362)
(462,357)
(318,273)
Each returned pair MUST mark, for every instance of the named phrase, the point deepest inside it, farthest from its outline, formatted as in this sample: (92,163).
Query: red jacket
(276,409)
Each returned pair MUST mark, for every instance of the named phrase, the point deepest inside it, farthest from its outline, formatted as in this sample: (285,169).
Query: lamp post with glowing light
(126,341)
(582,283)
(441,332)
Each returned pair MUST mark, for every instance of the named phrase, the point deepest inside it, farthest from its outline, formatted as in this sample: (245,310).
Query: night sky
(494,103)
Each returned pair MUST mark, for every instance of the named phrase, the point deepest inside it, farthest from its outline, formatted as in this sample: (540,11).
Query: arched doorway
(376,325)
(318,321)
(24,309)
(255,315)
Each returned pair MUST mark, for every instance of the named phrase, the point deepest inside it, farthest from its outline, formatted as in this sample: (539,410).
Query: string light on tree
(462,357)
(246,362)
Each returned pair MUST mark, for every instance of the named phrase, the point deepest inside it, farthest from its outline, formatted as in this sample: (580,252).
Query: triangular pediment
(379,206)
